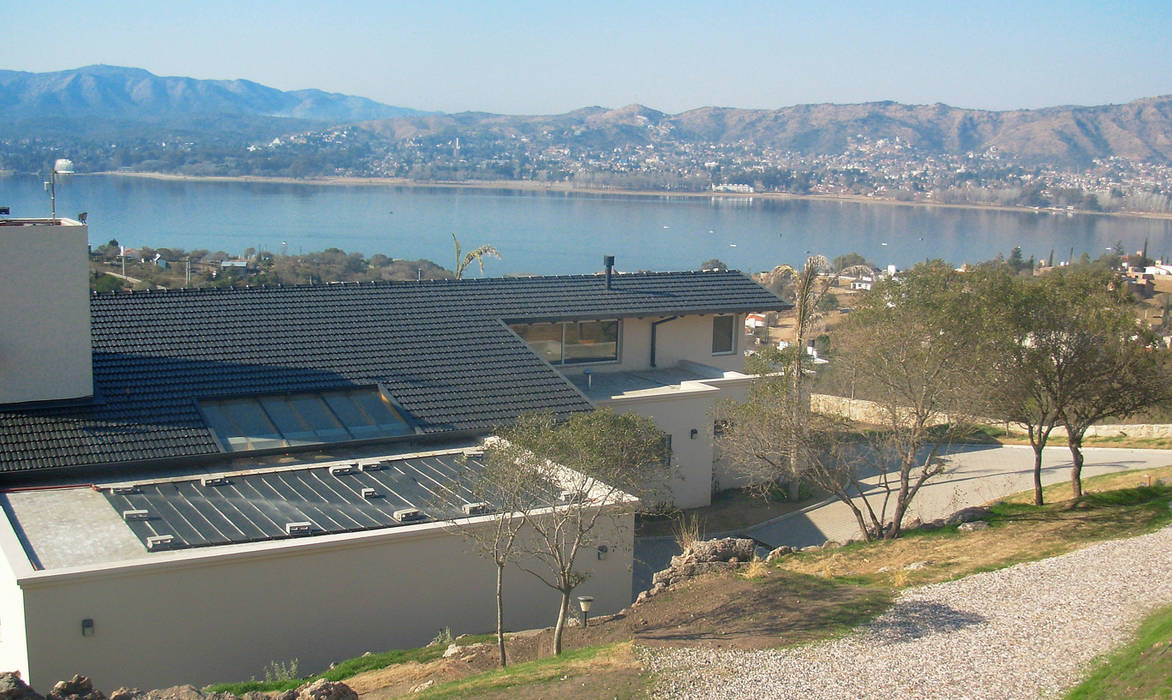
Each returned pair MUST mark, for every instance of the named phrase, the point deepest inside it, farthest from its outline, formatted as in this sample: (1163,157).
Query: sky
(551,57)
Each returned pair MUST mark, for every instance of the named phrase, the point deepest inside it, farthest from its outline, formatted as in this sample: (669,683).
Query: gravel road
(1028,631)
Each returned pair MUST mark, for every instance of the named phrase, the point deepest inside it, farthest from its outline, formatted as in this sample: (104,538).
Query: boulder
(917,565)
(723,549)
(975,525)
(13,688)
(811,548)
(913,524)
(968,515)
(778,554)
(321,689)
(831,544)
(77,688)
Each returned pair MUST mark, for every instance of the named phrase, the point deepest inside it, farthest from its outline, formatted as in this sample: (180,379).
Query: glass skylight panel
(324,424)
(289,422)
(285,420)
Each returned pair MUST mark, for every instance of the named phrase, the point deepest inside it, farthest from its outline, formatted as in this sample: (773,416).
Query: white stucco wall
(677,413)
(45,313)
(222,614)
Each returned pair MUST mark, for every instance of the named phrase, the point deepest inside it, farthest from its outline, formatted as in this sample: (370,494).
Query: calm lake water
(545,233)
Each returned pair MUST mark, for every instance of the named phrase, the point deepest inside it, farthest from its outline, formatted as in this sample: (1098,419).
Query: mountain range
(113,92)
(1139,130)
(98,101)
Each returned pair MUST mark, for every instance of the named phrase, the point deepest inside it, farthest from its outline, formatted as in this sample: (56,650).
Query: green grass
(1141,669)
(350,667)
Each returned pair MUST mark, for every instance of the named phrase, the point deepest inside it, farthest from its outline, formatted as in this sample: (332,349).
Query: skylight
(289,420)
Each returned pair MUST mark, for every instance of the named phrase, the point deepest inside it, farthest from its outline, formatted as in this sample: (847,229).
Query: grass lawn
(1113,507)
(1141,669)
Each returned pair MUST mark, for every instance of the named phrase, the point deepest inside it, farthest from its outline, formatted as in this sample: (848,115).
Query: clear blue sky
(550,57)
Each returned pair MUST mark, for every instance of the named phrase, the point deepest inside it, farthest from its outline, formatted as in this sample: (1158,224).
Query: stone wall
(871,412)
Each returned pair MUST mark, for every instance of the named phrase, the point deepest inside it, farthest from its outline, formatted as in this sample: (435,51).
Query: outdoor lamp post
(584,602)
(63,166)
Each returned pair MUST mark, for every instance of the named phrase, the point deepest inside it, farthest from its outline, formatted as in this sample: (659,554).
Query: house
(199,482)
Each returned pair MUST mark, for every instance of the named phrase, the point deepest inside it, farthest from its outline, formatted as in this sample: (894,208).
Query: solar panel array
(253,507)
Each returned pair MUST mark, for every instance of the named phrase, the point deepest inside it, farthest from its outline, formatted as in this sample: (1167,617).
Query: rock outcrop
(13,688)
(701,558)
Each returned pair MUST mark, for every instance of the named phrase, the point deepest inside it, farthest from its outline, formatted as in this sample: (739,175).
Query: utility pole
(187,280)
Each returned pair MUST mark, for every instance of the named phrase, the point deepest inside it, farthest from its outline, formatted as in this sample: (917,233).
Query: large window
(723,340)
(288,420)
(572,342)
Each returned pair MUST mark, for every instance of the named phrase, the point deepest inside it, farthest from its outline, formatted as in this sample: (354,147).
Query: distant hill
(1139,130)
(133,94)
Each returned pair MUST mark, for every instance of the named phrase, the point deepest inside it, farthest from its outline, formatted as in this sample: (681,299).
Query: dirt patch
(773,608)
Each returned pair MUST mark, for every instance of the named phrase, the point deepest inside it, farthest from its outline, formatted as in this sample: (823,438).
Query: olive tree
(1067,352)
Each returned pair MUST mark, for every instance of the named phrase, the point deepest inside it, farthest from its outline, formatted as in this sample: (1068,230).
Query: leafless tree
(905,351)
(597,462)
(487,505)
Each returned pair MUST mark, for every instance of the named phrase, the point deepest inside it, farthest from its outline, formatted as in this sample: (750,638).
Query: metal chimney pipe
(608,261)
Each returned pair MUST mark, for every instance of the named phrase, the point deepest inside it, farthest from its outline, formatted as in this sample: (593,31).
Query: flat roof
(666,381)
(62,527)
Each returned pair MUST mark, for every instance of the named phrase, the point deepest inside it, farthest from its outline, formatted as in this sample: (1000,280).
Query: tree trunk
(1038,475)
(500,613)
(561,625)
(1076,470)
(794,489)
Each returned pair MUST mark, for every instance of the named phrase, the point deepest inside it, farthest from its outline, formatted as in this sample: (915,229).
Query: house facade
(200,482)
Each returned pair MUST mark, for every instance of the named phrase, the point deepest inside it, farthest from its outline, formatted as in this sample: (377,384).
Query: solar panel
(255,507)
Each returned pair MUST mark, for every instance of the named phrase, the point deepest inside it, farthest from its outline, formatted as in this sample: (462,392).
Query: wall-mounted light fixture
(694,433)
(602,552)
(87,627)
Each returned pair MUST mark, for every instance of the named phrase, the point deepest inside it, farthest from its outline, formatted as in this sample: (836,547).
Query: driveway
(976,474)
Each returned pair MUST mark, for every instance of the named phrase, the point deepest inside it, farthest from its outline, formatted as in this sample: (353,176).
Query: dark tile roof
(439,348)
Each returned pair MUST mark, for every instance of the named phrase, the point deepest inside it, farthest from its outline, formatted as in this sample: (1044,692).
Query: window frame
(732,334)
(563,325)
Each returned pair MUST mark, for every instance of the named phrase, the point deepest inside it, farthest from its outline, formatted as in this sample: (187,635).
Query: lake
(558,233)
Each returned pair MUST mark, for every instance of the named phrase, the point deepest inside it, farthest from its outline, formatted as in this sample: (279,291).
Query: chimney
(608,261)
(45,351)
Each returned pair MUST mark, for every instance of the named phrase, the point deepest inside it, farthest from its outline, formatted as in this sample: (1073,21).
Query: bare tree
(487,503)
(905,351)
(476,255)
(598,460)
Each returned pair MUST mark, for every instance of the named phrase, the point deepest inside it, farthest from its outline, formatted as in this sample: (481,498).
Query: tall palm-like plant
(463,260)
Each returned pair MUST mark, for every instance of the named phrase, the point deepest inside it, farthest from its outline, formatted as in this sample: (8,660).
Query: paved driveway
(976,474)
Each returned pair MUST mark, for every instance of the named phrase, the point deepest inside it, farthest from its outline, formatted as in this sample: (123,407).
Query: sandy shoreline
(530,186)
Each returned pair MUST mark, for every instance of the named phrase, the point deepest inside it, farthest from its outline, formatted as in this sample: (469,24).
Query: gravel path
(1023,632)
